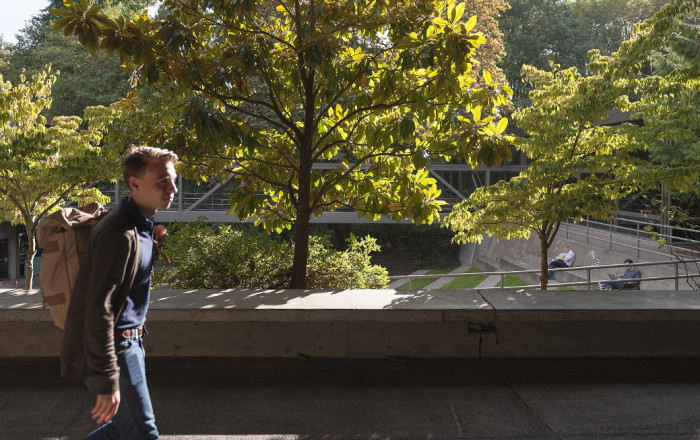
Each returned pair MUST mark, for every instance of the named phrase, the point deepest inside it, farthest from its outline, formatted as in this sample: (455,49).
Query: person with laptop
(628,281)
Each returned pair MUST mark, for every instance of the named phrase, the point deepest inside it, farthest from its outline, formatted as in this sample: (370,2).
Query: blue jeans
(134,419)
(620,286)
(554,264)
(612,286)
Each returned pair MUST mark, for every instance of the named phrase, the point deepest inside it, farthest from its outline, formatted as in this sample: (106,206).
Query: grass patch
(421,283)
(466,282)
(512,281)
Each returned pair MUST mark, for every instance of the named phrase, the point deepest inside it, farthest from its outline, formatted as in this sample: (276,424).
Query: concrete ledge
(378,323)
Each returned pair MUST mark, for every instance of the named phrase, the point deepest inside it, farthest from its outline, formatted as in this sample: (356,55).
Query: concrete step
(487,265)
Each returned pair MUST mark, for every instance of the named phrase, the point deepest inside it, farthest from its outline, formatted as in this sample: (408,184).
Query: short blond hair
(137,159)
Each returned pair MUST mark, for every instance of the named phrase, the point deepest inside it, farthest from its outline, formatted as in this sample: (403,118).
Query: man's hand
(160,235)
(106,407)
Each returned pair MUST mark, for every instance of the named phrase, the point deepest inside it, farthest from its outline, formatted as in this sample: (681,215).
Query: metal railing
(454,181)
(612,233)
(589,280)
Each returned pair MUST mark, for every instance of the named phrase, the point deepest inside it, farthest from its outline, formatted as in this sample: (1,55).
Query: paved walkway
(401,281)
(491,281)
(221,399)
(440,282)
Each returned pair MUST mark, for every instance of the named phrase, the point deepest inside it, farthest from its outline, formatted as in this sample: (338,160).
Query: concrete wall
(540,334)
(373,324)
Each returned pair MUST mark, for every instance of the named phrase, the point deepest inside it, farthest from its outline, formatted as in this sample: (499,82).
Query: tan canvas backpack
(63,237)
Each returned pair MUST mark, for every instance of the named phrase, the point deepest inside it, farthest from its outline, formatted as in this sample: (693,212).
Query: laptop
(612,276)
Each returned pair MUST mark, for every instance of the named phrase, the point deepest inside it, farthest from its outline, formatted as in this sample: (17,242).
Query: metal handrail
(608,228)
(588,270)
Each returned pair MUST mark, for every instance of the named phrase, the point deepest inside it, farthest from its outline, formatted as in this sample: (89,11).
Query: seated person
(565,259)
(631,274)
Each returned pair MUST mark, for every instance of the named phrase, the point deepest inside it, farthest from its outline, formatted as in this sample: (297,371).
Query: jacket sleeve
(111,256)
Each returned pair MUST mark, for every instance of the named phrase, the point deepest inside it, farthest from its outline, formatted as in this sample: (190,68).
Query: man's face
(156,188)
(567,248)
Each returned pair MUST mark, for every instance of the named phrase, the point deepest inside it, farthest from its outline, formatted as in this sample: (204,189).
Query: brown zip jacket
(106,275)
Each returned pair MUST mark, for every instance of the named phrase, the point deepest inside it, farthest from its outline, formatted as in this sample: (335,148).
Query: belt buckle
(131,333)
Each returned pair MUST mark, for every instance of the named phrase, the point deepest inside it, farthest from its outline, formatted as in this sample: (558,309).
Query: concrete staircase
(493,255)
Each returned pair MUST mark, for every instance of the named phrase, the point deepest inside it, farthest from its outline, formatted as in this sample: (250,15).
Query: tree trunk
(301,233)
(31,251)
(301,253)
(544,266)
(340,231)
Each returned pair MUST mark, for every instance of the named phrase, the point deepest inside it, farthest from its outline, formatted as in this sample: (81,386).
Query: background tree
(537,32)
(42,167)
(4,53)
(492,51)
(375,87)
(86,79)
(672,115)
(580,168)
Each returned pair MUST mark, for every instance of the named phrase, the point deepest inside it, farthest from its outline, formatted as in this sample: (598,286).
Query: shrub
(349,269)
(222,257)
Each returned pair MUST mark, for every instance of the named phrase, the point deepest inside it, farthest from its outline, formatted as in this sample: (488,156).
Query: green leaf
(420,159)
(61,12)
(459,12)
(59,24)
(407,127)
(470,24)
(502,125)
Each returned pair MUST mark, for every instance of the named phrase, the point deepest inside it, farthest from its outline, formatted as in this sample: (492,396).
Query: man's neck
(146,212)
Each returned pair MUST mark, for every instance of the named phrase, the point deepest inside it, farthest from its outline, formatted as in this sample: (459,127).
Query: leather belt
(129,333)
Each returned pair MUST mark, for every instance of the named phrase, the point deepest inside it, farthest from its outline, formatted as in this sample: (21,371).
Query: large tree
(374,87)
(581,167)
(42,167)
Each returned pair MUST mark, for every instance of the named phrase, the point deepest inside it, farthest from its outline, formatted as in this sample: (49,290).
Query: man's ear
(134,183)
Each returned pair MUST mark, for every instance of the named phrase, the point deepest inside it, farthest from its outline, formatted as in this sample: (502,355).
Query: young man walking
(103,340)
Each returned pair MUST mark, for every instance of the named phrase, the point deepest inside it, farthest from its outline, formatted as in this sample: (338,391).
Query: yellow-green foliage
(43,166)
